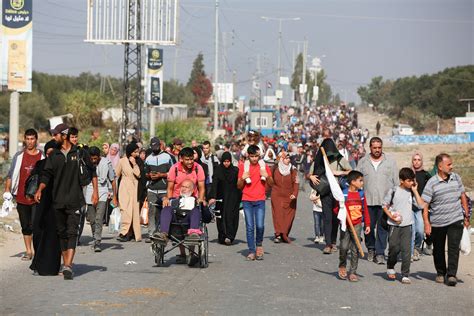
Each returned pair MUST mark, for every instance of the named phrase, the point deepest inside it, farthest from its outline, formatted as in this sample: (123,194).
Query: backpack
(85,174)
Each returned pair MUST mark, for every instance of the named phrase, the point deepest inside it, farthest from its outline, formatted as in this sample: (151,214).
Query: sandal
(391,274)
(259,253)
(353,278)
(26,257)
(251,257)
(342,273)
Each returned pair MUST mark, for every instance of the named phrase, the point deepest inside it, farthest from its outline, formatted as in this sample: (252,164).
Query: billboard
(16,49)
(464,124)
(225,92)
(154,76)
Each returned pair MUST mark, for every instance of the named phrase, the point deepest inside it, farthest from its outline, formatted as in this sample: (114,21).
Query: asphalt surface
(292,279)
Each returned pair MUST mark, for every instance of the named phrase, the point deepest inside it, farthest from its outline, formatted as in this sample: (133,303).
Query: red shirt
(182,175)
(255,191)
(27,164)
(355,209)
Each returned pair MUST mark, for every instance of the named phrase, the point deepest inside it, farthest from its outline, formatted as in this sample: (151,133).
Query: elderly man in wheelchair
(180,221)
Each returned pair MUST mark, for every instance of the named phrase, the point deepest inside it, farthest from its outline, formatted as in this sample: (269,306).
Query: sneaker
(406,280)
(379,259)
(416,255)
(193,260)
(316,240)
(67,273)
(259,254)
(428,250)
(227,241)
(61,269)
(452,281)
(371,255)
(327,250)
(439,278)
(96,247)
(122,238)
(277,240)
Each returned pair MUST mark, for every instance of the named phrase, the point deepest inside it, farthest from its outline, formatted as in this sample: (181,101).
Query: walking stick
(348,220)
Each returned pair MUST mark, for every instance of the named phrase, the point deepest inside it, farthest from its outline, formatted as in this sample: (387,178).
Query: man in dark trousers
(64,166)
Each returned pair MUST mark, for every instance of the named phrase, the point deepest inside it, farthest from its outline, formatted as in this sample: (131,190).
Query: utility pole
(303,93)
(280,21)
(216,69)
(14,123)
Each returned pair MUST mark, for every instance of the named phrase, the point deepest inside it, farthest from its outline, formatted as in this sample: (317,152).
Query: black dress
(47,258)
(224,186)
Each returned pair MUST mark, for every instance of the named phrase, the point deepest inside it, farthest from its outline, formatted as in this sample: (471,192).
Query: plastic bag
(144,213)
(466,242)
(7,205)
(115,218)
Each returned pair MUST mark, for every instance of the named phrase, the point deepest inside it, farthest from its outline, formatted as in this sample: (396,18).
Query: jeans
(95,215)
(348,243)
(418,230)
(438,235)
(331,222)
(254,220)
(399,243)
(318,224)
(377,238)
(154,211)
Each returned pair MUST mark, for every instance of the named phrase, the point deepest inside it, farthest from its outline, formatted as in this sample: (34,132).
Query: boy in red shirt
(253,200)
(357,209)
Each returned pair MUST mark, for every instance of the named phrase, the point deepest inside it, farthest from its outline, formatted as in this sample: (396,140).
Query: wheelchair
(177,236)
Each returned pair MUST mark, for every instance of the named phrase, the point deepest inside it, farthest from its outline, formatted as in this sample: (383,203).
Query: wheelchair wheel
(204,250)
(159,252)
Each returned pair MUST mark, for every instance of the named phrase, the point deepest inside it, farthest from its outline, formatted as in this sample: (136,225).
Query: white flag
(338,195)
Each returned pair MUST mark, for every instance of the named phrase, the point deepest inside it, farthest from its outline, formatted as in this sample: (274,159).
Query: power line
(338,16)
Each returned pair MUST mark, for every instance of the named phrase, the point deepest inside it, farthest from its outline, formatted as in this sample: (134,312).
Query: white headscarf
(284,169)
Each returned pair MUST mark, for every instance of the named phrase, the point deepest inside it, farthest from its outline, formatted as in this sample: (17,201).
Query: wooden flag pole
(348,220)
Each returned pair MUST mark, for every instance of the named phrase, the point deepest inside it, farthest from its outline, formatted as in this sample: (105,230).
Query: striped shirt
(444,198)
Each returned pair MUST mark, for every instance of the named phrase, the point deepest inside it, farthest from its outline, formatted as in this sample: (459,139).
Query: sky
(359,39)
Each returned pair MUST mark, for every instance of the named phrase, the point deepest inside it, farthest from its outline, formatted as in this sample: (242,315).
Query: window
(261,122)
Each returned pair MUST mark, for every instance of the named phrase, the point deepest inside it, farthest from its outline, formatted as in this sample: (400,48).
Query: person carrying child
(398,205)
(357,211)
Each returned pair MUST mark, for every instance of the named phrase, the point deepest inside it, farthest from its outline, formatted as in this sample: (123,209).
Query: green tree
(186,130)
(176,93)
(34,111)
(198,82)
(85,107)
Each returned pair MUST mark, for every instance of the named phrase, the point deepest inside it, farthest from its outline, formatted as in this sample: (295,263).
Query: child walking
(398,205)
(317,216)
(357,210)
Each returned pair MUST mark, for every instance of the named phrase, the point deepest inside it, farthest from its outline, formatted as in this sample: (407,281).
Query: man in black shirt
(63,166)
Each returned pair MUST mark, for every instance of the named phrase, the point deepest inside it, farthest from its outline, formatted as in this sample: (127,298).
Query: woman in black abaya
(224,186)
(47,258)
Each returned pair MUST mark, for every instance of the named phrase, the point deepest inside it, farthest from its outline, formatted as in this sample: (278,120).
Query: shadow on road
(80,269)
(334,273)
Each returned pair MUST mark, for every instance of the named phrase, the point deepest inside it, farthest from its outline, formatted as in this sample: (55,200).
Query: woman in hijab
(224,187)
(113,154)
(128,170)
(47,259)
(284,195)
(340,167)
(418,227)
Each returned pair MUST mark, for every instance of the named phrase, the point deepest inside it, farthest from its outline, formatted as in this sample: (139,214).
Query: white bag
(466,242)
(114,223)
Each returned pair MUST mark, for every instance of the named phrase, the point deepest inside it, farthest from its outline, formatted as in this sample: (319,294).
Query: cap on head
(155,143)
(60,129)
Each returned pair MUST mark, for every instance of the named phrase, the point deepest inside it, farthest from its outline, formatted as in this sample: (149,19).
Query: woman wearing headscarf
(128,170)
(284,195)
(47,259)
(418,228)
(340,167)
(114,155)
(224,187)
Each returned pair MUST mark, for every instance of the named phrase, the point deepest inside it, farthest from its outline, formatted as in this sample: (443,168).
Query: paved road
(293,279)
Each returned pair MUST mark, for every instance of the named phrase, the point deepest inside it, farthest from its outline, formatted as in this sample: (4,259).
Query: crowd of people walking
(395,210)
